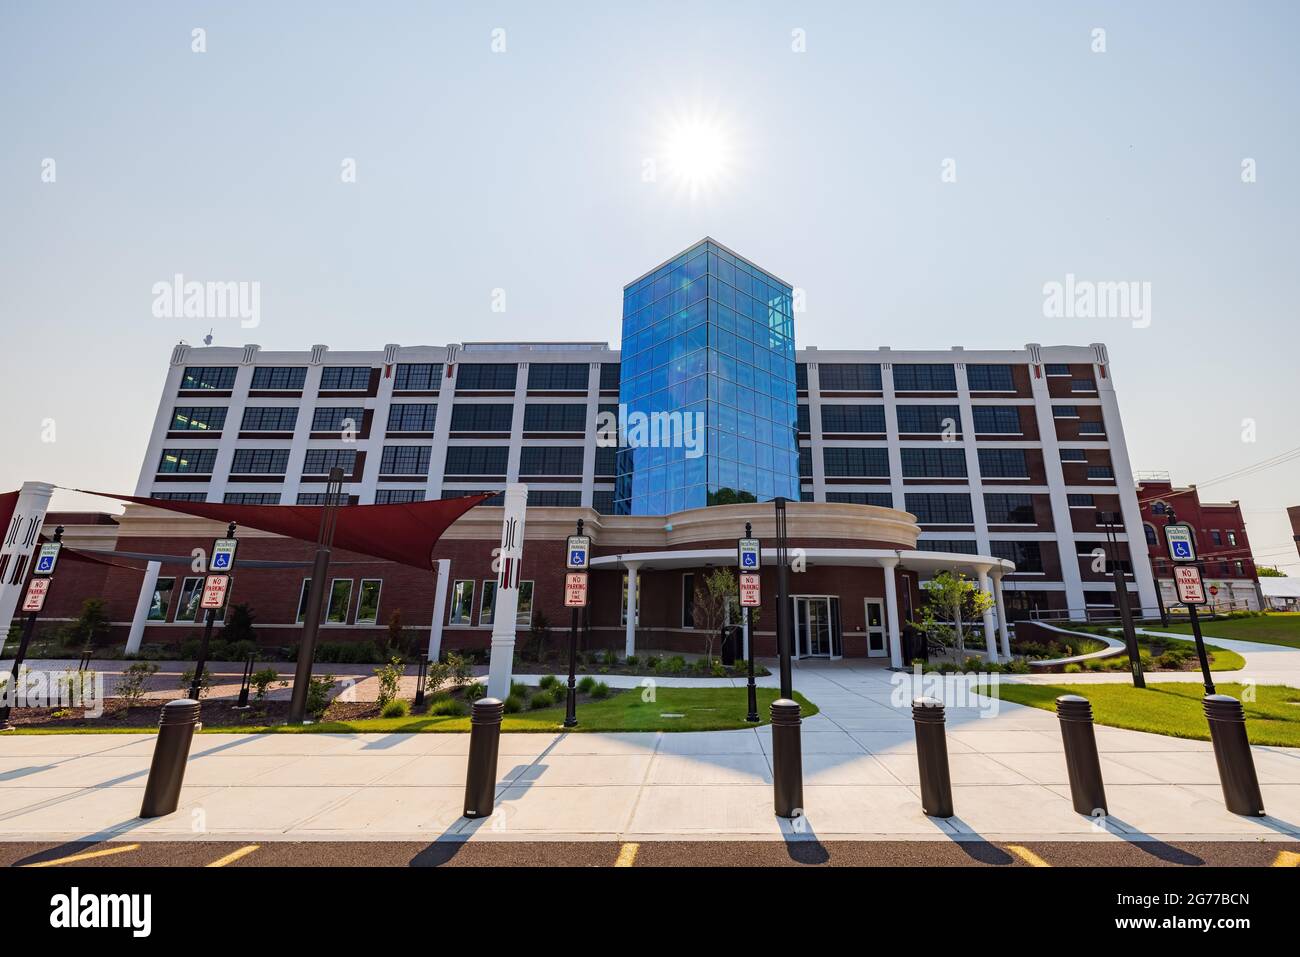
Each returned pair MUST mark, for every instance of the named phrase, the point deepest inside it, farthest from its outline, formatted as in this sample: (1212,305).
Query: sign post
(577,556)
(216,591)
(749,551)
(1189,587)
(33,601)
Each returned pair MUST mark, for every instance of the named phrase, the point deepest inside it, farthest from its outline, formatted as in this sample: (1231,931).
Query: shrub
(514,704)
(610,659)
(586,684)
(437,675)
(719,670)
(519,688)
(131,687)
(397,708)
(548,681)
(675,663)
(460,670)
(1019,666)
(1073,669)
(261,681)
(318,694)
(205,683)
(448,707)
(542,699)
(474,691)
(390,680)
(600,690)
(631,661)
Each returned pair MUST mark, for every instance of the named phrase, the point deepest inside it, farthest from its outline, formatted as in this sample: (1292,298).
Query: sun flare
(697,153)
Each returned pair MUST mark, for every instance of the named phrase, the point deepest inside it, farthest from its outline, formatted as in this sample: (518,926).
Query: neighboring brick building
(1221,542)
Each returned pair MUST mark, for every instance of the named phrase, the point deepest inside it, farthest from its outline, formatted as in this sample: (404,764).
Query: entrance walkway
(859,773)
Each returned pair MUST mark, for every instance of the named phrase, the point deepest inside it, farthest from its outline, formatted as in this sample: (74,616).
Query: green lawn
(1273,718)
(1221,659)
(1275,628)
(701,709)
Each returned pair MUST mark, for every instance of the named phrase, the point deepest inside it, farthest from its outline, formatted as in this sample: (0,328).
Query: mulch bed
(145,714)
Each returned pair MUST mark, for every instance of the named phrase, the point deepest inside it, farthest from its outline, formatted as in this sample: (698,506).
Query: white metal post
(142,605)
(501,663)
(442,570)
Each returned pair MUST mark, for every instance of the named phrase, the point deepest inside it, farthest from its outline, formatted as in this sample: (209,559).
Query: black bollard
(1227,720)
(1081,761)
(171,751)
(932,756)
(787,758)
(421,679)
(484,742)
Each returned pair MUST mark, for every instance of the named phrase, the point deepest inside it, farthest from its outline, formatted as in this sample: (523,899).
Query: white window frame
(378,597)
(452,604)
(329,604)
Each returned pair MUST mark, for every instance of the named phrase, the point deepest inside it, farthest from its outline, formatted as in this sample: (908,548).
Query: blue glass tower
(710,336)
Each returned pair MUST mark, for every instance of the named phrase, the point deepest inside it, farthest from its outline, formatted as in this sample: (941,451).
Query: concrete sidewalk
(860,781)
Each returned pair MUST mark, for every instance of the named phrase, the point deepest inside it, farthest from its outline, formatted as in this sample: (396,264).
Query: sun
(697,153)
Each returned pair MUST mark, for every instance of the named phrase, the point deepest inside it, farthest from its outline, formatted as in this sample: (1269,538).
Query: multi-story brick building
(1220,529)
(904,462)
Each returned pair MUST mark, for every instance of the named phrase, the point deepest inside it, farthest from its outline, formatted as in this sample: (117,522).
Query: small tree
(390,680)
(719,592)
(239,624)
(950,596)
(132,686)
(91,629)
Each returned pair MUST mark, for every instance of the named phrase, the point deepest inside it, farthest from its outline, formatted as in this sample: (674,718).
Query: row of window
(908,377)
(954,508)
(917,463)
(395,460)
(408,377)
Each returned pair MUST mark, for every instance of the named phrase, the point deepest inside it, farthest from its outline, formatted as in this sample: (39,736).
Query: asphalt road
(649,854)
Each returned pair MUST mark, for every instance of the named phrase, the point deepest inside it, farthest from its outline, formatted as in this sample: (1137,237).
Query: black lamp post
(316,597)
(783,620)
(29,627)
(197,681)
(1125,612)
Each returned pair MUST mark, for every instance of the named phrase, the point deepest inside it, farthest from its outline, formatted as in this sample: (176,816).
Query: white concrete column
(990,639)
(142,606)
(510,557)
(442,571)
(891,613)
(18,543)
(1004,634)
(629,640)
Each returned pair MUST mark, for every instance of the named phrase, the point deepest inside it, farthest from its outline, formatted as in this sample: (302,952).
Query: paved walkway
(860,781)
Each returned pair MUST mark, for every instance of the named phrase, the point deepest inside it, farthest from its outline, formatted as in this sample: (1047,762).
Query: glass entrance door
(876,644)
(816,626)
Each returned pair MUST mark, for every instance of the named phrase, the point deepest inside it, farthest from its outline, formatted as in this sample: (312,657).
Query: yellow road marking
(1028,856)
(86,856)
(234,855)
(627,855)
(1287,859)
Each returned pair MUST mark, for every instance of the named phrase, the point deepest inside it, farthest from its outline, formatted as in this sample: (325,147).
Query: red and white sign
(214,591)
(575,590)
(1188,583)
(37,588)
(750,594)
(1214,589)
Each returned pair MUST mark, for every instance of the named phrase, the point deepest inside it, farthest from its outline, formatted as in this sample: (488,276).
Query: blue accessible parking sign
(579,550)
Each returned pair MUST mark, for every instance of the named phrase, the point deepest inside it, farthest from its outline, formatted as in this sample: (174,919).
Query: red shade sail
(404,533)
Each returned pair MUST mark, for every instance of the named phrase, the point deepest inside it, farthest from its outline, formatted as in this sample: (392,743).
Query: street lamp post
(1125,611)
(29,627)
(315,597)
(783,622)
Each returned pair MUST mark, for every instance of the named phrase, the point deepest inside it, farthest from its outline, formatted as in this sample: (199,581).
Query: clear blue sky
(522,170)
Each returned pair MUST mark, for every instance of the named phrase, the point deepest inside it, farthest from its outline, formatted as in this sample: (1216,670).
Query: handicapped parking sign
(1182,546)
(578,549)
(747,554)
(223,555)
(47,558)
